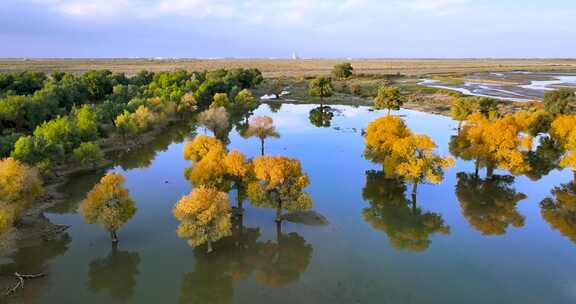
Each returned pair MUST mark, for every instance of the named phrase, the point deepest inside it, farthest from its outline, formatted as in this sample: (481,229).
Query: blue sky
(275,28)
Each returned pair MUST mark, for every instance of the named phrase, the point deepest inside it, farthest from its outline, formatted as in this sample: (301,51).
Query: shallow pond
(450,248)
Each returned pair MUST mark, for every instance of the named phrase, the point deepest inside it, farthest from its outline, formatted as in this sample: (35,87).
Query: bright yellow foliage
(20,185)
(108,203)
(198,148)
(204,216)
(280,183)
(380,137)
(497,142)
(563,129)
(236,164)
(403,154)
(417,161)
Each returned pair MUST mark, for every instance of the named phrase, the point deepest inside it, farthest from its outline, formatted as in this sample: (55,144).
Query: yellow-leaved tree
(204,216)
(238,170)
(279,184)
(20,186)
(108,204)
(380,137)
(496,143)
(212,165)
(403,154)
(261,127)
(417,162)
(563,129)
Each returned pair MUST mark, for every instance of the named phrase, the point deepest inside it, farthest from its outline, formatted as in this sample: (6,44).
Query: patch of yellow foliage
(403,154)
(108,203)
(204,216)
(20,185)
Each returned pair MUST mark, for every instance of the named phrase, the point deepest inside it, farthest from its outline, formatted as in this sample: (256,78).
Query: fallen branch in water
(21,279)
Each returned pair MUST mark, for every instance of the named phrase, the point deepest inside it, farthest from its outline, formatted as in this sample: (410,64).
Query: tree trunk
(414,191)
(240,202)
(113,236)
(278,232)
(489,170)
(389,112)
(209,247)
(459,126)
(476,167)
(279,212)
(262,146)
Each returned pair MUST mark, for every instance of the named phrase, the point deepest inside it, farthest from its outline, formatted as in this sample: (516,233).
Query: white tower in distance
(295,55)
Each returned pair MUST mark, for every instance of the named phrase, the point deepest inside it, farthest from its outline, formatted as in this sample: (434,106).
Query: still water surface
(377,248)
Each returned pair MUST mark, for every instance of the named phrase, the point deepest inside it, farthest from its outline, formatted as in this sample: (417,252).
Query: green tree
(342,70)
(88,153)
(560,101)
(462,107)
(244,99)
(220,100)
(321,87)
(388,98)
(86,123)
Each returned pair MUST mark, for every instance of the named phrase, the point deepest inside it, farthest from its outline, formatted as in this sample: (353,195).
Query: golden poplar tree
(380,137)
(108,204)
(279,184)
(496,143)
(403,154)
(20,186)
(417,162)
(563,129)
(204,216)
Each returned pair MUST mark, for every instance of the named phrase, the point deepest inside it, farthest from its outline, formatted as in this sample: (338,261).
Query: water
(534,90)
(355,259)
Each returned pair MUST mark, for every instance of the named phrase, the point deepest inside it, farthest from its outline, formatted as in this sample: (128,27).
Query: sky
(276,28)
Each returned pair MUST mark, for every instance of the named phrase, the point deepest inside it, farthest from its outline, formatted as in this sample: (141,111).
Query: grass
(294,68)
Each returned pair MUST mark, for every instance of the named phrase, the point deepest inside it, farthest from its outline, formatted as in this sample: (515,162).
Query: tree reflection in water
(489,204)
(143,155)
(321,117)
(236,258)
(115,273)
(560,210)
(407,226)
